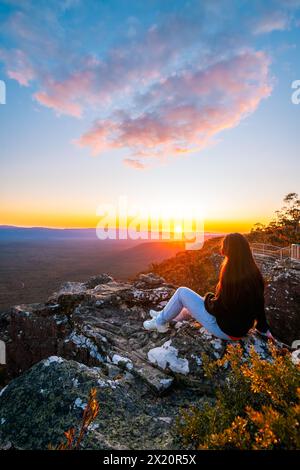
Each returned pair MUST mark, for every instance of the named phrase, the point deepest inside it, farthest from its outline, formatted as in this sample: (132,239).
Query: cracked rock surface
(90,335)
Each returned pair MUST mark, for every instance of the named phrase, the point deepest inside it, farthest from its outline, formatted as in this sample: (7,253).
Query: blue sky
(167,102)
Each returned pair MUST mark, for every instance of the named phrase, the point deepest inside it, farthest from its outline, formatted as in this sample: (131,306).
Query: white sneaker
(151,325)
(154,313)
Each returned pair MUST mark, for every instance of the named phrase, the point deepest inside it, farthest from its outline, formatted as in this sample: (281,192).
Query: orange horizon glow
(77,221)
(165,208)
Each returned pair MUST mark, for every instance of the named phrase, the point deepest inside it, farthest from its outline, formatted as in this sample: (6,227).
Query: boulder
(34,332)
(99,279)
(47,400)
(283,300)
(149,280)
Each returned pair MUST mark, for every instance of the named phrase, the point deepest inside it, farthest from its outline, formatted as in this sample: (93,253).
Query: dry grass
(73,439)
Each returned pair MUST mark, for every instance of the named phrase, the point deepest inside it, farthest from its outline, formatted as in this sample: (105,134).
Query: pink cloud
(97,138)
(23,77)
(272,21)
(69,83)
(159,91)
(62,106)
(131,162)
(67,97)
(18,67)
(186,112)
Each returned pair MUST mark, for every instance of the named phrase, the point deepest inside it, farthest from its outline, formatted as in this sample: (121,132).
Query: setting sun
(178,229)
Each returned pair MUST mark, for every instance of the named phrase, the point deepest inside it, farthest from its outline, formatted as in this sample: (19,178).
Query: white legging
(185,298)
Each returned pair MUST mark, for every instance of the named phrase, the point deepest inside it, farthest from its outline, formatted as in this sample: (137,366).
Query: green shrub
(258,407)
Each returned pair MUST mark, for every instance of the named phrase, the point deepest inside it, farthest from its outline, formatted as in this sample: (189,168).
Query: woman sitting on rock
(234,309)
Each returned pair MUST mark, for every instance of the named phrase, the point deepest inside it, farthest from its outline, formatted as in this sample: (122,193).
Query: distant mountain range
(35,261)
(11,233)
(33,233)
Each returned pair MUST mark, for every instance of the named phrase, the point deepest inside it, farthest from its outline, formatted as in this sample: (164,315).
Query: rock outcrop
(40,405)
(101,324)
(283,300)
(90,335)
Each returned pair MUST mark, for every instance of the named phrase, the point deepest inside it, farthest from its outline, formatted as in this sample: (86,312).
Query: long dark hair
(240,277)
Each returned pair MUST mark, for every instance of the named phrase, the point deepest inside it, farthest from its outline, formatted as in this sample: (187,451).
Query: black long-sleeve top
(237,319)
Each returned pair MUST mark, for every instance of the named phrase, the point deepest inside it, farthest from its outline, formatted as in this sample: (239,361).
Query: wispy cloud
(18,67)
(159,88)
(183,112)
(272,21)
(134,163)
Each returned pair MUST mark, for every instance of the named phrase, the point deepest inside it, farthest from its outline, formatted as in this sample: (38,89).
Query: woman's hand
(268,334)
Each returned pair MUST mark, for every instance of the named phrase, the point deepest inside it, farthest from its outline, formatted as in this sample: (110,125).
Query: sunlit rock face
(90,335)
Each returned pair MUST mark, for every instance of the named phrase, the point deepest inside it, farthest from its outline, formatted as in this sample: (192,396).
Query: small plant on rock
(73,439)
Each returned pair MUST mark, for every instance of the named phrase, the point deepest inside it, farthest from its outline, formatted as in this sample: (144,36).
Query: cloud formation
(186,110)
(158,88)
(272,21)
